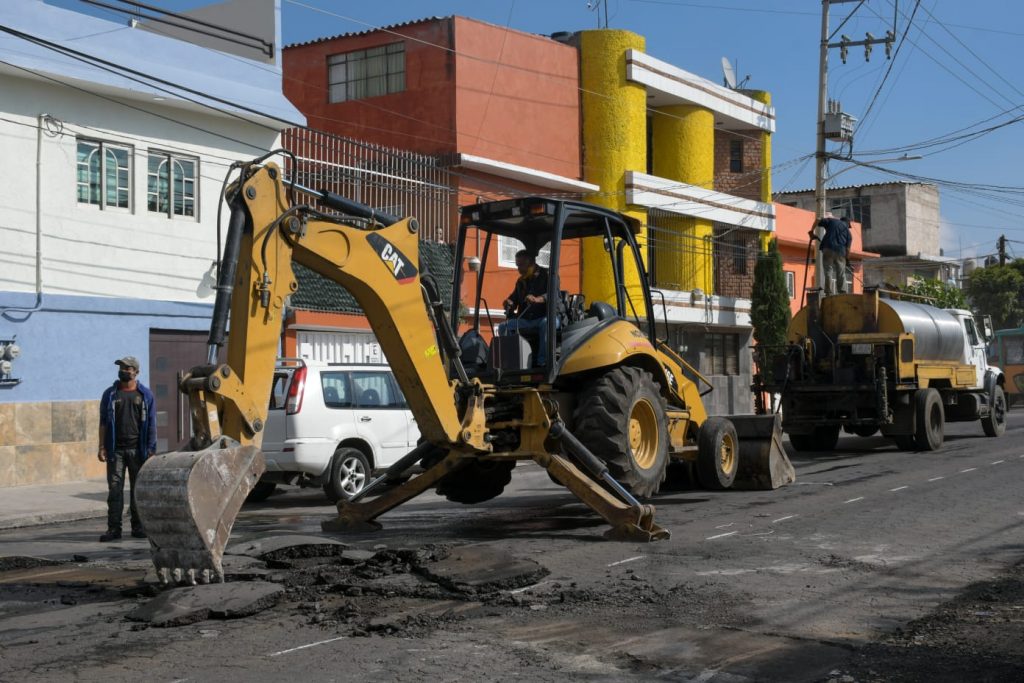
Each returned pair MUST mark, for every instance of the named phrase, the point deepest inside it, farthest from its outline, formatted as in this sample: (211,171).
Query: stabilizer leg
(358,515)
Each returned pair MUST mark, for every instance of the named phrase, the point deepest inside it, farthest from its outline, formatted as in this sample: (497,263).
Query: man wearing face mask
(127,438)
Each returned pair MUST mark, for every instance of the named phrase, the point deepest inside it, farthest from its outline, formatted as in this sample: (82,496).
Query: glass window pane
(338,93)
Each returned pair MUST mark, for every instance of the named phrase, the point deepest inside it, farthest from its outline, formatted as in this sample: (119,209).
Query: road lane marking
(899,488)
(711,538)
(628,559)
(969,469)
(853,500)
(725,526)
(530,587)
(782,519)
(998,462)
(936,478)
(303,647)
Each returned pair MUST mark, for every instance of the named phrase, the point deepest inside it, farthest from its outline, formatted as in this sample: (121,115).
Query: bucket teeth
(188,502)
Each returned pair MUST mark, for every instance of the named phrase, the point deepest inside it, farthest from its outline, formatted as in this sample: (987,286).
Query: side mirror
(986,328)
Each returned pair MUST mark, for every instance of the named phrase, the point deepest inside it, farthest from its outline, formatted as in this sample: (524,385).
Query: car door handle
(366,418)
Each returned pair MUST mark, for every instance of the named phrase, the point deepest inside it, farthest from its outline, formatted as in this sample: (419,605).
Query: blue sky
(957,67)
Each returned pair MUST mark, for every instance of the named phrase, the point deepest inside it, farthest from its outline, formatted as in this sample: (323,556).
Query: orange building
(791,226)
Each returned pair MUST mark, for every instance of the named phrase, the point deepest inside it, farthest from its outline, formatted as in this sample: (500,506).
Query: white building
(117,139)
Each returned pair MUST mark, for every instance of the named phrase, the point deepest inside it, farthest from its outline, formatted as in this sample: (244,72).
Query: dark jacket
(537,286)
(837,235)
(147,430)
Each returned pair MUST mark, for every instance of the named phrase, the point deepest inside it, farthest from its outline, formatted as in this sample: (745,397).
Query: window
(972,333)
(508,246)
(723,353)
(791,283)
(171,185)
(376,390)
(104,174)
(857,209)
(336,389)
(366,73)
(279,390)
(736,156)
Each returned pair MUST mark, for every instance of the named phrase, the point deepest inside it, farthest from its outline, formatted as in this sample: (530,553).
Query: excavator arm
(189,500)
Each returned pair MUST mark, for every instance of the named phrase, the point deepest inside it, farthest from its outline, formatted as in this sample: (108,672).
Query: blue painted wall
(69,343)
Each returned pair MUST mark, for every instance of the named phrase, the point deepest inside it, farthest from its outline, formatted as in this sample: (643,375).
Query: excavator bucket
(763,463)
(188,501)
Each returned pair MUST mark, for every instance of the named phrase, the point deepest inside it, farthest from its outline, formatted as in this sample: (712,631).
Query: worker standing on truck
(127,438)
(526,305)
(835,249)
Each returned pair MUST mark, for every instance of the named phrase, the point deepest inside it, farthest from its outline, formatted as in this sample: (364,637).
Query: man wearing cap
(127,438)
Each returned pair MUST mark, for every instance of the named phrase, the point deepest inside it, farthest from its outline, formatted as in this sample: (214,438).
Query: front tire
(620,418)
(995,423)
(931,420)
(350,469)
(718,454)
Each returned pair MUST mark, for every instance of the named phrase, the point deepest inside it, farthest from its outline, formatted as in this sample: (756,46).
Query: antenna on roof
(729,75)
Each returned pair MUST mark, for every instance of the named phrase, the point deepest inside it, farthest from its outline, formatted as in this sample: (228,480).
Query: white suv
(333,425)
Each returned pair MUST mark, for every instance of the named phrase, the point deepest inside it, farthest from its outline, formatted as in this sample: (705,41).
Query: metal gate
(339,347)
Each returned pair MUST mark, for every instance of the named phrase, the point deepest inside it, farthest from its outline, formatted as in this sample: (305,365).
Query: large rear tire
(477,482)
(931,420)
(718,454)
(621,418)
(350,469)
(905,442)
(995,423)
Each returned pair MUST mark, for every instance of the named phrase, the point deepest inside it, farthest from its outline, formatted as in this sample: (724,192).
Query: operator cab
(557,232)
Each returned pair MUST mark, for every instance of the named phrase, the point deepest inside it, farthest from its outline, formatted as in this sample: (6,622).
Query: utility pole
(1002,250)
(832,124)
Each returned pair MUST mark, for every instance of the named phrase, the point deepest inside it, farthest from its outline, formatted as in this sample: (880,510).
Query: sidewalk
(22,506)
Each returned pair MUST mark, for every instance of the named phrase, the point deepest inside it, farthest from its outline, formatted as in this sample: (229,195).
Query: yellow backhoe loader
(604,415)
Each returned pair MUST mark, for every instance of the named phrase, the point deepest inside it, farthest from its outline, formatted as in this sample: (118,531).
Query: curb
(42,519)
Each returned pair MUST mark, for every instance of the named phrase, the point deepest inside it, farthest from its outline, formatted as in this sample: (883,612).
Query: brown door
(172,353)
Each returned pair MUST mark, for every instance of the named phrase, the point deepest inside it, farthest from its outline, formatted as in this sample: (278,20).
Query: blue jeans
(517,325)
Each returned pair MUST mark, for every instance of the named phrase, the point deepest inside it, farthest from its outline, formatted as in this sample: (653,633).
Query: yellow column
(684,150)
(765,97)
(614,141)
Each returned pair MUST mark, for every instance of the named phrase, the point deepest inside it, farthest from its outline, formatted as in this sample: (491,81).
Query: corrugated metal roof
(317,293)
(389,27)
(852,187)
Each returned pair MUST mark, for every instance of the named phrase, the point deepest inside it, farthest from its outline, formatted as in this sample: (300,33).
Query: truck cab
(975,348)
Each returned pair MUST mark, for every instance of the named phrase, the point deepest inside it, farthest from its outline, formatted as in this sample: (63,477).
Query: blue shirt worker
(527,307)
(127,438)
(835,249)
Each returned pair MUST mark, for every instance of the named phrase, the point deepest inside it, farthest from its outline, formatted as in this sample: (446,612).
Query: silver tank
(938,334)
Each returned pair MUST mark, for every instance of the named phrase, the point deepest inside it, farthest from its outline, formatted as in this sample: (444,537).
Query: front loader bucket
(763,464)
(188,502)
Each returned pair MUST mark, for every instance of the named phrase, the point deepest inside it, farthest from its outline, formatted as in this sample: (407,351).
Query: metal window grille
(736,156)
(171,184)
(366,73)
(722,353)
(104,174)
(396,181)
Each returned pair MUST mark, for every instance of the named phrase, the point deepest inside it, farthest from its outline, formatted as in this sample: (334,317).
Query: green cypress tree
(769,303)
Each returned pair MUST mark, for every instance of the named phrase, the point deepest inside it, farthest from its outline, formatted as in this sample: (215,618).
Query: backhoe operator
(526,307)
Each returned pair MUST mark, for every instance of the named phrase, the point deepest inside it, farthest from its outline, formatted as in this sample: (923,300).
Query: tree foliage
(769,305)
(997,291)
(942,294)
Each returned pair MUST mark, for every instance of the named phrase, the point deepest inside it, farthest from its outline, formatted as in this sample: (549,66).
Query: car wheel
(350,469)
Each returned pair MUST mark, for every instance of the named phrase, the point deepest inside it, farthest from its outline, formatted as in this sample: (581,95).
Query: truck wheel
(718,454)
(931,420)
(865,430)
(905,442)
(825,438)
(261,491)
(476,482)
(349,472)
(802,442)
(620,417)
(995,423)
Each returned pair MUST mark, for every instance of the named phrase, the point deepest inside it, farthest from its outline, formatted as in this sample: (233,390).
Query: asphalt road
(782,585)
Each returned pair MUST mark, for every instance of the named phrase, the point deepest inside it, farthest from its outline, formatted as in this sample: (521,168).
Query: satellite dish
(728,74)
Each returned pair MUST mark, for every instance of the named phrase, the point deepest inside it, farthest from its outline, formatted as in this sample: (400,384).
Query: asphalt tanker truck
(867,364)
